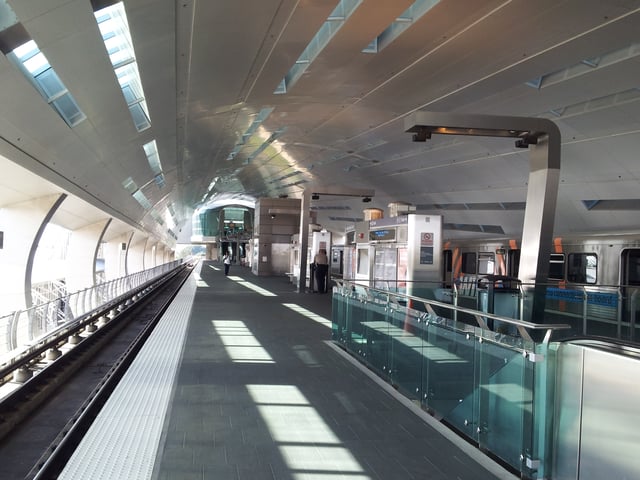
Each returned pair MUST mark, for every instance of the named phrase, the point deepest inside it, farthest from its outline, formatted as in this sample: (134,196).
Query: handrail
(522,326)
(35,324)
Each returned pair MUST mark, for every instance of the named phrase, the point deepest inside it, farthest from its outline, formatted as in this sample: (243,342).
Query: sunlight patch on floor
(252,286)
(309,314)
(309,447)
(240,344)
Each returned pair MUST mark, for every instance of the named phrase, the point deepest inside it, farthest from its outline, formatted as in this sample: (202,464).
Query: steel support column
(542,137)
(305,204)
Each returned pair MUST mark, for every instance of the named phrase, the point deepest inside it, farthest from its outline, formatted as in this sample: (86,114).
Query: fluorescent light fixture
(114,28)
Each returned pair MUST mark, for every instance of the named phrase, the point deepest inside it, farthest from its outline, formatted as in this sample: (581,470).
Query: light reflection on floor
(252,286)
(309,314)
(308,445)
(199,281)
(240,344)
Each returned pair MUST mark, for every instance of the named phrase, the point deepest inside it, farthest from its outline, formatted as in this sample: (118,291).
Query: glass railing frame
(529,453)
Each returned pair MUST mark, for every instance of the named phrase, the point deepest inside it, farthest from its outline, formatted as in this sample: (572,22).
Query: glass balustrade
(490,387)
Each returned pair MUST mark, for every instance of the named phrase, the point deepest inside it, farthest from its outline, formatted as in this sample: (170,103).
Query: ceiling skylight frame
(114,28)
(153,157)
(36,68)
(327,31)
(407,18)
(587,65)
(261,116)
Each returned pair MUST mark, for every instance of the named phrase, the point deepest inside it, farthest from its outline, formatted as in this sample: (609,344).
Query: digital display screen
(383,235)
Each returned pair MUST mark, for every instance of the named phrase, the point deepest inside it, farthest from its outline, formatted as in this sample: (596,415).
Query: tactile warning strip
(123,440)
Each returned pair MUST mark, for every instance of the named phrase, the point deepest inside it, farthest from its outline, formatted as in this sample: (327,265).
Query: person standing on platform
(227,262)
(322,269)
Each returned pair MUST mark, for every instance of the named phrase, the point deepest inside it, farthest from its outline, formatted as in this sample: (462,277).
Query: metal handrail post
(619,313)
(584,310)
(632,313)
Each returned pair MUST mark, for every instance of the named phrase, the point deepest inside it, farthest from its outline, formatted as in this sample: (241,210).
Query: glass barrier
(595,310)
(493,388)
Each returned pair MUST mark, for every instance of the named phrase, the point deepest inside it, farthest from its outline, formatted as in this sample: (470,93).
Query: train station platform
(240,381)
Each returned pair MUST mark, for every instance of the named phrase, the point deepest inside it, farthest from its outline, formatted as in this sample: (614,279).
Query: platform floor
(260,394)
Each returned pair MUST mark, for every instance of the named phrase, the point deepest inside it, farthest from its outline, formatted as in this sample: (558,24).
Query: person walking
(227,262)
(321,262)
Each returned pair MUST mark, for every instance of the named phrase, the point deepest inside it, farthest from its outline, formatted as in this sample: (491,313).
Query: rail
(21,330)
(347,287)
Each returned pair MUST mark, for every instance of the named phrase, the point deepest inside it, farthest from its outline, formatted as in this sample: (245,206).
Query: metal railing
(20,329)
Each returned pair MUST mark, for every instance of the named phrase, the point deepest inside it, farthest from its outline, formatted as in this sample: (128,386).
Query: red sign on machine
(426,238)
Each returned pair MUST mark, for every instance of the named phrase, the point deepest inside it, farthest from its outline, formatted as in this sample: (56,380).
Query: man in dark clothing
(321,262)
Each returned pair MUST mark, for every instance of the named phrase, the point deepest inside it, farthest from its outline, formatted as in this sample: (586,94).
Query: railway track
(68,378)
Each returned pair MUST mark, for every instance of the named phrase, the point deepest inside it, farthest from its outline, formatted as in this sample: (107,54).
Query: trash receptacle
(500,295)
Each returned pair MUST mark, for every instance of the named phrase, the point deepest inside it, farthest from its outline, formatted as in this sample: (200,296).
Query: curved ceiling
(210,71)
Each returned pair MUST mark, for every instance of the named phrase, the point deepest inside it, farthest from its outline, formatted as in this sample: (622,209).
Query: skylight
(133,189)
(266,143)
(114,28)
(587,65)
(151,151)
(329,28)
(35,66)
(257,121)
(404,21)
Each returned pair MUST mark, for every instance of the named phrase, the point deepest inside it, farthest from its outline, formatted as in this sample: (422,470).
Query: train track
(43,420)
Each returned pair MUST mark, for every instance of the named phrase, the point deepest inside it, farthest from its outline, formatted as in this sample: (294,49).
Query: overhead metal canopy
(211,70)
(543,137)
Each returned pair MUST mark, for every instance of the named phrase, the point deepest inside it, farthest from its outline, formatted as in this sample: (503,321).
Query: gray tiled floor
(305,412)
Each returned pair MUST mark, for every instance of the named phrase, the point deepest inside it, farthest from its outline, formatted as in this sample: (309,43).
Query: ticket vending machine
(406,253)
(388,238)
(362,254)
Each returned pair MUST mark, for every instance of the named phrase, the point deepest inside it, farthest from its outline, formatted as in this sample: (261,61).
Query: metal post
(304,239)
(585,300)
(542,138)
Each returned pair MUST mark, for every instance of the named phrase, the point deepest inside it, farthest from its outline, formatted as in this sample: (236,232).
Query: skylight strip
(586,65)
(142,199)
(36,68)
(407,18)
(327,31)
(266,143)
(130,185)
(114,28)
(289,175)
(260,117)
(151,151)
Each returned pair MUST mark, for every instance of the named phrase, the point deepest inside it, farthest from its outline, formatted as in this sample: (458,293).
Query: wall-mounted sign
(382,235)
(426,248)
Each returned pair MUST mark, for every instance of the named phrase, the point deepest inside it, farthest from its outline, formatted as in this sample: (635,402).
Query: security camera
(422,135)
